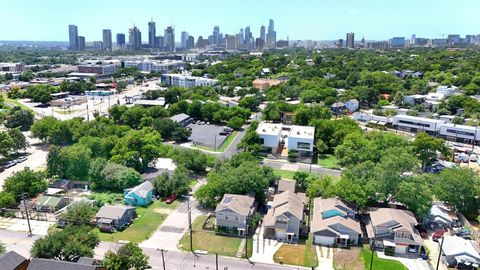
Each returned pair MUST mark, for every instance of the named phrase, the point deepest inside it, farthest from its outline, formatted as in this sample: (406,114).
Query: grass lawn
(380,264)
(328,161)
(284,174)
(210,242)
(297,254)
(143,226)
(223,146)
(17,103)
(193,183)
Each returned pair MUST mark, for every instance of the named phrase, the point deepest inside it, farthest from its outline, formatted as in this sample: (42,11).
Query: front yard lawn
(212,243)
(380,264)
(143,226)
(297,254)
(328,161)
(284,174)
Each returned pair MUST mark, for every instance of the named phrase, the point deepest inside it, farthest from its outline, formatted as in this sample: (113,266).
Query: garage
(280,235)
(324,240)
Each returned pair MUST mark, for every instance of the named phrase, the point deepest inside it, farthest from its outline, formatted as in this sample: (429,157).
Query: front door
(289,238)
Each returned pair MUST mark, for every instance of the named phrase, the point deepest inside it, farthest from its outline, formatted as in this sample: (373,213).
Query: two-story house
(393,230)
(284,220)
(335,223)
(233,212)
(140,195)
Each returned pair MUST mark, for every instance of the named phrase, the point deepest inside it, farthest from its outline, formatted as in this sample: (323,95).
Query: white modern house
(186,81)
(275,137)
(417,124)
(455,132)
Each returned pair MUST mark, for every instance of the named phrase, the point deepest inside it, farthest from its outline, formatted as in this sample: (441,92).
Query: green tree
(251,141)
(68,244)
(18,139)
(79,213)
(129,256)
(426,147)
(7,200)
(118,177)
(416,194)
(320,186)
(2,248)
(6,143)
(26,181)
(21,118)
(178,183)
(236,122)
(301,180)
(74,162)
(458,186)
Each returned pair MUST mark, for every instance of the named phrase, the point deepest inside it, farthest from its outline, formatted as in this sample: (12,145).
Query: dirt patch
(163,211)
(348,259)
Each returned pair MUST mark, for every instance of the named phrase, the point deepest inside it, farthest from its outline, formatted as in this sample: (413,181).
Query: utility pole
(440,253)
(216,261)
(190,224)
(373,254)
(26,212)
(163,259)
(88,114)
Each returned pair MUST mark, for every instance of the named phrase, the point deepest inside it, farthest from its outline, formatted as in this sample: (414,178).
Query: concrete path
(241,248)
(263,249)
(324,257)
(169,234)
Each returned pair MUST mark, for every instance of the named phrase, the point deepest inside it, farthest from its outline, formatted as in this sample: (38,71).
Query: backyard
(328,161)
(225,144)
(147,221)
(302,254)
(359,259)
(208,240)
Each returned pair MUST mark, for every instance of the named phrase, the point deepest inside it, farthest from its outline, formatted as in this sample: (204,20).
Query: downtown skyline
(298,20)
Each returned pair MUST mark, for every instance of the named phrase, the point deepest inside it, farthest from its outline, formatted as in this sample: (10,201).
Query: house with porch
(284,221)
(393,230)
(114,217)
(335,223)
(140,195)
(233,213)
(440,216)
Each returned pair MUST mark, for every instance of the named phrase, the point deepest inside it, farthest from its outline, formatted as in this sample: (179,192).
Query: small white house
(301,138)
(276,136)
(270,134)
(352,105)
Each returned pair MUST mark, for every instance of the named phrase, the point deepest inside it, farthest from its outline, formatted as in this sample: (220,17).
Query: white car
(473,158)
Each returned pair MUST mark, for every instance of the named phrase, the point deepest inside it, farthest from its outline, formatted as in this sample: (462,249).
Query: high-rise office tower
(413,39)
(216,35)
(159,40)
(350,40)
(241,36)
(231,42)
(98,46)
(190,42)
(81,43)
(107,39)
(262,33)
(183,40)
(271,41)
(169,43)
(73,37)
(151,34)
(134,39)
(121,41)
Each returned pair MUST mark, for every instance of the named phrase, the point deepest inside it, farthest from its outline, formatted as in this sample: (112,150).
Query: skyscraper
(81,43)
(231,42)
(271,35)
(134,38)
(169,43)
(240,37)
(190,42)
(183,41)
(216,35)
(151,34)
(121,41)
(350,40)
(73,37)
(262,33)
(107,39)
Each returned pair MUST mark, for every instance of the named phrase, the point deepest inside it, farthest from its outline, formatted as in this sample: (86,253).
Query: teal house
(140,195)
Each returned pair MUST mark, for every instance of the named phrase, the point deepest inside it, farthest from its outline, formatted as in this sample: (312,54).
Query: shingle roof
(240,204)
(11,260)
(394,219)
(330,213)
(142,189)
(46,264)
(284,185)
(288,201)
(112,211)
(457,246)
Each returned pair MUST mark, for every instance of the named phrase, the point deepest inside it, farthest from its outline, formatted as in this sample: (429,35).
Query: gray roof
(11,260)
(284,185)
(240,204)
(46,264)
(179,117)
(331,214)
(112,211)
(142,189)
(458,247)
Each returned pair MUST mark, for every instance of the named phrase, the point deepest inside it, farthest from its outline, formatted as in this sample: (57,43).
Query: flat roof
(305,132)
(147,102)
(418,119)
(265,128)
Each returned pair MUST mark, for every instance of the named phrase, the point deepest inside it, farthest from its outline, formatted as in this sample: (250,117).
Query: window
(226,217)
(413,123)
(302,145)
(460,132)
(262,141)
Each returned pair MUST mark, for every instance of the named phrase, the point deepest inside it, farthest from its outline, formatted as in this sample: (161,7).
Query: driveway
(410,263)
(325,257)
(434,248)
(263,249)
(18,242)
(169,234)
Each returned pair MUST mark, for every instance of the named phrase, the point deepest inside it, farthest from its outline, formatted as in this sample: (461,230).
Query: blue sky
(298,19)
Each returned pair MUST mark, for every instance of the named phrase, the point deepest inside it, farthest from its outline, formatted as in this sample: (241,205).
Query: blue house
(140,195)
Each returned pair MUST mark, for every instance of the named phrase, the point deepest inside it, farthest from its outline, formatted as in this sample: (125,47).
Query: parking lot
(207,135)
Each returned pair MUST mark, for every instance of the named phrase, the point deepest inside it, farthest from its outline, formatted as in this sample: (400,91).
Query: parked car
(9,164)
(437,235)
(473,158)
(223,133)
(227,129)
(21,159)
(170,199)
